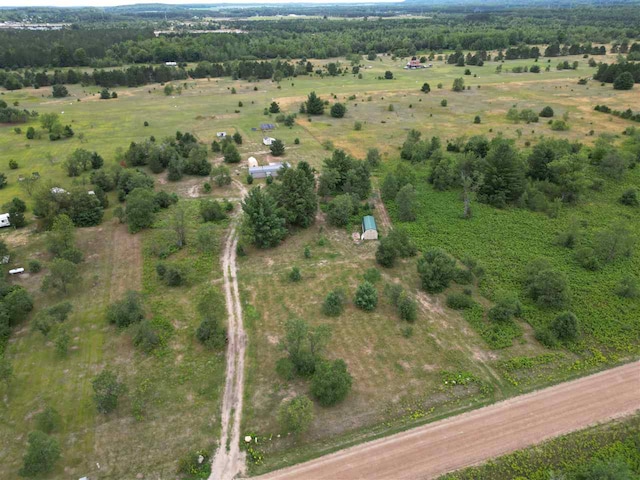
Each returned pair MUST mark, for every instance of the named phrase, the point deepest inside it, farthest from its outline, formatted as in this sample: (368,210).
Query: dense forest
(117,43)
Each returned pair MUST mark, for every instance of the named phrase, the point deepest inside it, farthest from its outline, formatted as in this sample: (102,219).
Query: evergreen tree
(314,104)
(277,148)
(406,202)
(263,221)
(296,196)
(338,110)
(504,179)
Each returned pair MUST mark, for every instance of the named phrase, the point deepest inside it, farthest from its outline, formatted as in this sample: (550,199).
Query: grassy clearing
(173,394)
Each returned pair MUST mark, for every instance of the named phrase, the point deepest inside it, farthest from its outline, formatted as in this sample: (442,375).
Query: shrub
(559,126)
(146,336)
(565,326)
(630,198)
(195,464)
(443,102)
(624,81)
(477,119)
(587,258)
(372,275)
(285,368)
(407,309)
(333,304)
(546,337)
(295,275)
(296,415)
(436,270)
(42,454)
(545,286)
(366,297)
(505,308)
(211,334)
(338,110)
(106,391)
(546,112)
(463,276)
(357,126)
(126,311)
(628,287)
(331,382)
(171,275)
(34,266)
(459,301)
(48,421)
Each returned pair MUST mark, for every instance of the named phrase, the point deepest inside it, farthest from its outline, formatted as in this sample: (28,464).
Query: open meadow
(404,374)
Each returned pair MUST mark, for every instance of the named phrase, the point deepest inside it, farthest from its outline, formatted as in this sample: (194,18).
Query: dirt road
(381,209)
(473,437)
(229,461)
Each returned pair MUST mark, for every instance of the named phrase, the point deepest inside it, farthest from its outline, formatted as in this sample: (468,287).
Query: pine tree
(296,196)
(315,105)
(263,222)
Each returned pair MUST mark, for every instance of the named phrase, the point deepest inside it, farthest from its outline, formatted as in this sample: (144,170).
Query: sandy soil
(229,461)
(474,437)
(385,221)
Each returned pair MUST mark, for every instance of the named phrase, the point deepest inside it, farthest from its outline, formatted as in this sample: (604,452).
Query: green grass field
(398,379)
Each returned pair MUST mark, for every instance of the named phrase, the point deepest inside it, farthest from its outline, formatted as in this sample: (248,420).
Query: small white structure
(16,271)
(369,229)
(221,134)
(91,192)
(252,162)
(57,190)
(268,141)
(171,64)
(4,220)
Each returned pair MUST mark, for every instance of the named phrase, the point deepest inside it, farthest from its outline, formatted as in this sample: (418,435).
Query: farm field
(403,375)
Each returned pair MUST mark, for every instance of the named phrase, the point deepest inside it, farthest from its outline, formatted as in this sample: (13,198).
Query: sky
(109,3)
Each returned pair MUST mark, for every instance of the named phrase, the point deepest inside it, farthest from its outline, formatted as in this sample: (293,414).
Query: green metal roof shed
(369,228)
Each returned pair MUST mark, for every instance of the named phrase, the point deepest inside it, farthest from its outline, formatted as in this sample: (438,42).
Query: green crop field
(403,375)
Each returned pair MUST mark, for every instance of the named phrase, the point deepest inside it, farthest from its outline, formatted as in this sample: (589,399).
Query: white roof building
(4,220)
(268,141)
(252,162)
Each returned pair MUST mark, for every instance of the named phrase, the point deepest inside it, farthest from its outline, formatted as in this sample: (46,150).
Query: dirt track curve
(229,461)
(479,435)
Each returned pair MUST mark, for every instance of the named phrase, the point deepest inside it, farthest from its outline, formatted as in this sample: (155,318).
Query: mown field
(399,375)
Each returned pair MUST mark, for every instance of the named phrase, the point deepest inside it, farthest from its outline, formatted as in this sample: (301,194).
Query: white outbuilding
(4,220)
(252,162)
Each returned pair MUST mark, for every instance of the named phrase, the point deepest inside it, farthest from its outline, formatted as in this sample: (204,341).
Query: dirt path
(474,437)
(385,221)
(229,461)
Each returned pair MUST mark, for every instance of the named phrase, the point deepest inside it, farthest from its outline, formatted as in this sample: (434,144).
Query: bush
(628,287)
(126,311)
(106,391)
(565,326)
(195,464)
(436,270)
(546,337)
(171,275)
(211,334)
(285,368)
(587,258)
(296,415)
(407,309)
(42,454)
(459,301)
(146,336)
(366,297)
(338,110)
(630,198)
(307,252)
(505,308)
(624,81)
(34,266)
(545,286)
(48,421)
(443,102)
(477,119)
(463,276)
(372,275)
(333,304)
(559,126)
(331,382)
(546,112)
(295,275)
